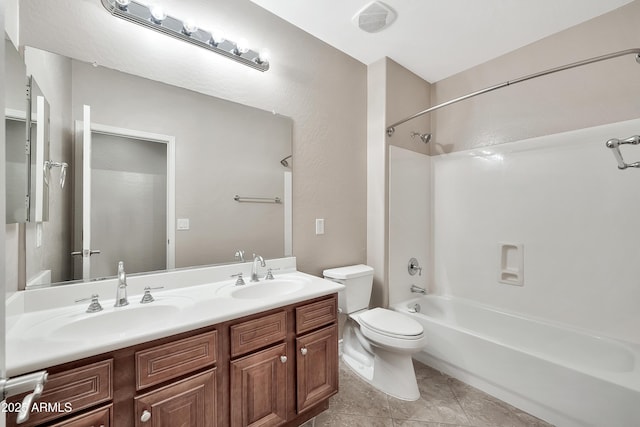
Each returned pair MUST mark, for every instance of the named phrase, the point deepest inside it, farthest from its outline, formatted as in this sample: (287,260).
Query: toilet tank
(358,281)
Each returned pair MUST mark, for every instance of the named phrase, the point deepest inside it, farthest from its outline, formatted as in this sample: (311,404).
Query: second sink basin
(267,289)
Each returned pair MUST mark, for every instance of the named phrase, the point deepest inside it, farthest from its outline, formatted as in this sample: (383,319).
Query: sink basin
(117,321)
(267,289)
(75,325)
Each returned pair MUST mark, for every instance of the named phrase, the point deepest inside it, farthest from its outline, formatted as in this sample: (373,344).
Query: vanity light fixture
(156,18)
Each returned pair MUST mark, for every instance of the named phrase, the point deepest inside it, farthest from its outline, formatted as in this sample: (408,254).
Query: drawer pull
(283,359)
(146,416)
(303,351)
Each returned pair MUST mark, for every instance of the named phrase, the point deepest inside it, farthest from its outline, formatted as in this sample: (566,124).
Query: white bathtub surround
(409,221)
(562,197)
(563,375)
(43,324)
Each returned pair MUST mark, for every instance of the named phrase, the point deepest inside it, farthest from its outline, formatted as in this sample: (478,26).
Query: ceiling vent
(374,17)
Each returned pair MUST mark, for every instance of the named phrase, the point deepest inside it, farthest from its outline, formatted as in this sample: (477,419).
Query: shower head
(284,162)
(425,137)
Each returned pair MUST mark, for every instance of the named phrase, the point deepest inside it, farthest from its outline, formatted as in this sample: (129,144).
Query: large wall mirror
(176,178)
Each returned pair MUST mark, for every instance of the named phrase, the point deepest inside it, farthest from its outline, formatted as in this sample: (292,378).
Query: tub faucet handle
(414,267)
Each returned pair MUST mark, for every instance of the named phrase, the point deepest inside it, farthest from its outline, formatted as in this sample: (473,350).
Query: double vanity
(204,352)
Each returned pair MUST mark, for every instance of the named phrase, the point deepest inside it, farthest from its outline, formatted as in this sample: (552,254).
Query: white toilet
(377,343)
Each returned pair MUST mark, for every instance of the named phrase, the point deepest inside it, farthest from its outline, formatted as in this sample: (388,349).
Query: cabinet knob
(146,416)
(303,351)
(283,359)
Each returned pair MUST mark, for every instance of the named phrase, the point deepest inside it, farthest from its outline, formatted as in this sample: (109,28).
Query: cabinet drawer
(71,391)
(190,402)
(315,315)
(171,360)
(258,333)
(100,417)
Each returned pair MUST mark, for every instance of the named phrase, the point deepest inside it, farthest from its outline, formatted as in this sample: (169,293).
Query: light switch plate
(183,223)
(319,226)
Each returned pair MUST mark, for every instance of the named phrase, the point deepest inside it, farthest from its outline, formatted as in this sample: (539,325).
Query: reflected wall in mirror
(222,149)
(17,166)
(27,147)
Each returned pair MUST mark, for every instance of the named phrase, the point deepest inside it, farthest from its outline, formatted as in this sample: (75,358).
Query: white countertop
(35,341)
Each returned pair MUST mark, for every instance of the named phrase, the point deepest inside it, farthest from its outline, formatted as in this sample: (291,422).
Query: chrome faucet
(254,269)
(418,290)
(121,290)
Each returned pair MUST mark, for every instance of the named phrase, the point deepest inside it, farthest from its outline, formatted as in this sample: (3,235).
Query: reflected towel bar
(257,199)
(615,144)
(636,51)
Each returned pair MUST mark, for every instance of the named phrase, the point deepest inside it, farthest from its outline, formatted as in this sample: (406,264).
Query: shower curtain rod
(391,129)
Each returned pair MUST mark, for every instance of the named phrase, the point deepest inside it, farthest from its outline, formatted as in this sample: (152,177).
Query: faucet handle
(95,306)
(239,255)
(414,267)
(240,280)
(147,297)
(269,275)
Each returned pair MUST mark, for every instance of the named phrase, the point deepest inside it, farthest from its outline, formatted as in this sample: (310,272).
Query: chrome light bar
(157,20)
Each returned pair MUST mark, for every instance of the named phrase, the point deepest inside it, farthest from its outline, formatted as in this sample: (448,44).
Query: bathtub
(562,375)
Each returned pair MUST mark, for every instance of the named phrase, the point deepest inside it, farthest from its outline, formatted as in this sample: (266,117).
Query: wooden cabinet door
(187,403)
(317,366)
(258,388)
(100,417)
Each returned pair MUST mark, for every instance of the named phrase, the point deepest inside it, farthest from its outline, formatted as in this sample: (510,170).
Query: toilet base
(390,372)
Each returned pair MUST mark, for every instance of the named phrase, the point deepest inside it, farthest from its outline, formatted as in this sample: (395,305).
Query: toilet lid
(392,323)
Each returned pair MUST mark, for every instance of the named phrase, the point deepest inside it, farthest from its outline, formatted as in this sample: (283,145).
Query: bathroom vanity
(274,364)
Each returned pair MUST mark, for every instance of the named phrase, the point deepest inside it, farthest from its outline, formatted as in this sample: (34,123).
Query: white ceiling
(438,38)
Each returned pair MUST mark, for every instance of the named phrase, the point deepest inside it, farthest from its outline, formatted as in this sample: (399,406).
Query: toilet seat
(390,329)
(391,324)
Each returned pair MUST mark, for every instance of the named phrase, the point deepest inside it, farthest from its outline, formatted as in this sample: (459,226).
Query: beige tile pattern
(444,402)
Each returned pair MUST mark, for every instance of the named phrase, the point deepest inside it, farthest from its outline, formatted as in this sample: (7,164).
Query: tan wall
(406,94)
(586,96)
(394,92)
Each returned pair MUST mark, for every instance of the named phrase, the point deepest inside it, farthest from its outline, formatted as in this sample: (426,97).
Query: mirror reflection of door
(128,210)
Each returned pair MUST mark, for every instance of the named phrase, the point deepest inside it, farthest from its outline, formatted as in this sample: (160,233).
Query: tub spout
(418,290)
(413,308)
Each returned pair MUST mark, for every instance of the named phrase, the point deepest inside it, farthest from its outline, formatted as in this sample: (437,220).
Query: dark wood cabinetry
(259,387)
(276,368)
(100,417)
(317,367)
(190,402)
(69,391)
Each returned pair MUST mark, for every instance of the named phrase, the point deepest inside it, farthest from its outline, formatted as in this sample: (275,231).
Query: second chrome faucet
(254,268)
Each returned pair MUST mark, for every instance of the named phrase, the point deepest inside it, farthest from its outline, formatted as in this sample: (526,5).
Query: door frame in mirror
(171,172)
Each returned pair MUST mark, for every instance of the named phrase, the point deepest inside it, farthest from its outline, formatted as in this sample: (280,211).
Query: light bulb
(242,46)
(263,56)
(123,4)
(158,14)
(189,27)
(217,37)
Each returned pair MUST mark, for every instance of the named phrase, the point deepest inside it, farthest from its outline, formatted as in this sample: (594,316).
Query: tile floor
(445,402)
